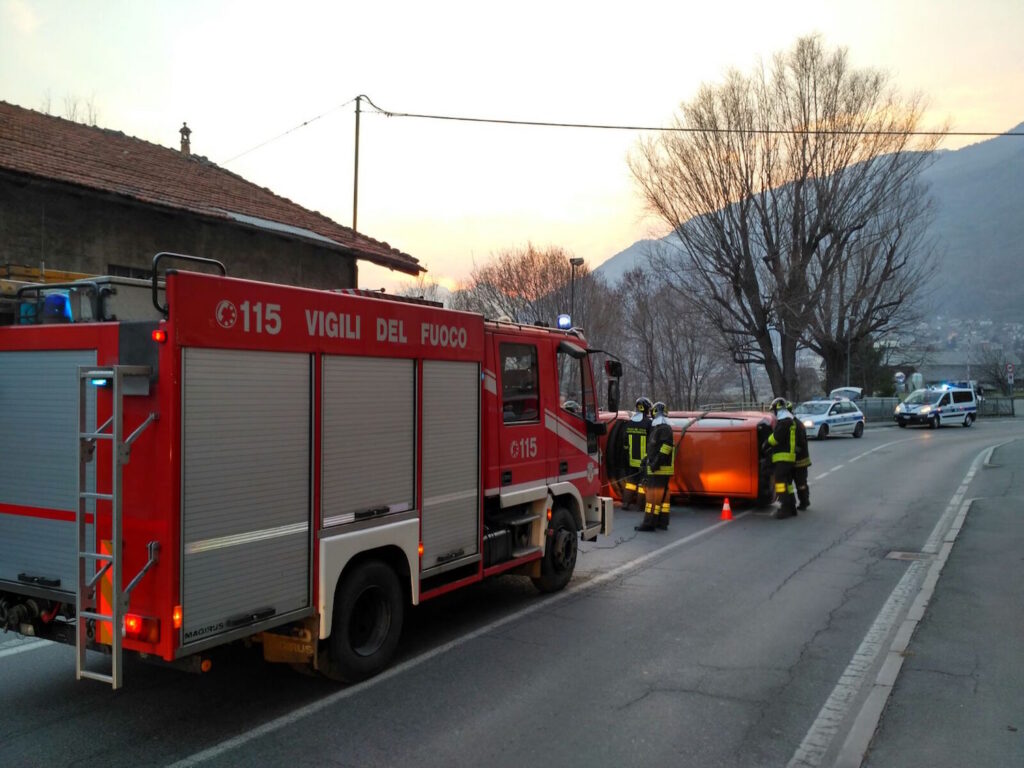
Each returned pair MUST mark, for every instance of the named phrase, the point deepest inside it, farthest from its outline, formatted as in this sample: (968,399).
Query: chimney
(185,133)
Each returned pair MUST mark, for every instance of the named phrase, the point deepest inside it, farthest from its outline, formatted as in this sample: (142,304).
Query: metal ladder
(87,608)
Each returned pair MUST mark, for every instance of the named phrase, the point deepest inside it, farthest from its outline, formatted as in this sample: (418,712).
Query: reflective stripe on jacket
(636,440)
(783,441)
(803,451)
(661,451)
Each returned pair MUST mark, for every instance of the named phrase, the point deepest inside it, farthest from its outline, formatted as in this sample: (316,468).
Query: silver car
(822,418)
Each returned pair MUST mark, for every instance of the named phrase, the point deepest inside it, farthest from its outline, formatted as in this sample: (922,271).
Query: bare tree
(423,287)
(876,286)
(989,366)
(522,284)
(530,285)
(637,333)
(775,186)
(669,342)
(74,108)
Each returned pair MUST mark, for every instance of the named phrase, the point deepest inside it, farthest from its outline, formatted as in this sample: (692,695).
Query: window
(962,396)
(575,387)
(519,392)
(118,270)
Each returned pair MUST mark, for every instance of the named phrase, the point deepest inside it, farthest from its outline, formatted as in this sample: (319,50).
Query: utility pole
(355,180)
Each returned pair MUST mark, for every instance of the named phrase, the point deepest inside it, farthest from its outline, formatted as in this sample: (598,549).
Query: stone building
(84,199)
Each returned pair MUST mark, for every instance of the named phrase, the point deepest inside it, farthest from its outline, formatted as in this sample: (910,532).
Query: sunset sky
(453,193)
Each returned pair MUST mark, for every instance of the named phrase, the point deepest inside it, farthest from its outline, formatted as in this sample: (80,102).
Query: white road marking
(840,702)
(29,646)
(828,472)
(541,604)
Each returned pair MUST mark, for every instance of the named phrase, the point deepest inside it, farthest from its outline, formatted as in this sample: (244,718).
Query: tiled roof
(52,148)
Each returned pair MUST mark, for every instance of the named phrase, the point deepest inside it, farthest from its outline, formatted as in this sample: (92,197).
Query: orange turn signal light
(176,617)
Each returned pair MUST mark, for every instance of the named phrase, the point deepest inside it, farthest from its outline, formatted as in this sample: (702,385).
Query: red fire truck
(280,464)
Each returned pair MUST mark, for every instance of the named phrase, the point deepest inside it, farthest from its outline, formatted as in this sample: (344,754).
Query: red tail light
(141,628)
(159,335)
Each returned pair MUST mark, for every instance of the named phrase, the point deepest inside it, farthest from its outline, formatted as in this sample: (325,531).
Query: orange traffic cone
(726,509)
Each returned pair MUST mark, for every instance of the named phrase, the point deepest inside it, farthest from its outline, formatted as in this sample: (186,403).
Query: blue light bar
(564,322)
(99,382)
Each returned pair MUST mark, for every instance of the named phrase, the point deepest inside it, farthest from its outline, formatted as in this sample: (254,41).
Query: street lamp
(574,262)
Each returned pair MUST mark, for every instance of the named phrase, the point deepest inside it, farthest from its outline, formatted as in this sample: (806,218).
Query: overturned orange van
(717,455)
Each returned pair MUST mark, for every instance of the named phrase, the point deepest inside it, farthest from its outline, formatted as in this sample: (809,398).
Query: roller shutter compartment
(245,489)
(451,464)
(369,438)
(38,463)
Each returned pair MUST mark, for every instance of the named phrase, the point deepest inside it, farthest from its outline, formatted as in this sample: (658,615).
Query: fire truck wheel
(367,622)
(560,555)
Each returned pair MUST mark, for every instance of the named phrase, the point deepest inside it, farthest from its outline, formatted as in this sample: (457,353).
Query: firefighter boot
(648,522)
(628,496)
(804,495)
(663,517)
(787,502)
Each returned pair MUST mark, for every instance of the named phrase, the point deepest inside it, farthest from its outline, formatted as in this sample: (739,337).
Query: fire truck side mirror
(614,370)
(613,395)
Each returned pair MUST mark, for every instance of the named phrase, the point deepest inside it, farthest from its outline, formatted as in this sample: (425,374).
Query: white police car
(935,406)
(822,418)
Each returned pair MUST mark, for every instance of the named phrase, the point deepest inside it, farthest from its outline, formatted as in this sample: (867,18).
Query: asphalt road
(854,629)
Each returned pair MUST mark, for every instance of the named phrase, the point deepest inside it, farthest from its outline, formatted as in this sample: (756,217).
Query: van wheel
(765,486)
(934,423)
(968,420)
(859,429)
(823,431)
(560,554)
(368,611)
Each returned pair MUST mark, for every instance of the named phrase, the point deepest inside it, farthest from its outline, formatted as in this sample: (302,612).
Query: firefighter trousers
(633,488)
(803,493)
(656,509)
(785,489)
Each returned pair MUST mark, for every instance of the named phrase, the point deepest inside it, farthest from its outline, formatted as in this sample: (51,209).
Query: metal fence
(878,409)
(996,406)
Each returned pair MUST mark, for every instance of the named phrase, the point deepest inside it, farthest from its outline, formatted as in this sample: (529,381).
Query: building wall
(81,232)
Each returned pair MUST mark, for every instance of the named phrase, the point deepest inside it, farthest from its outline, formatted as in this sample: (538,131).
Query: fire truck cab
(284,465)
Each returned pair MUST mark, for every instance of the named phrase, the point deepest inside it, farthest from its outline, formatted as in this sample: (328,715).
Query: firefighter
(803,461)
(637,430)
(782,447)
(660,466)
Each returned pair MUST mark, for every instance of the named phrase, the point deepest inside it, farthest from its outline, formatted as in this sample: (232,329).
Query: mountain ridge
(977,228)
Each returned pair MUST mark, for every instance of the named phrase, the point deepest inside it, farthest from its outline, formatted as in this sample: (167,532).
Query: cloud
(20,15)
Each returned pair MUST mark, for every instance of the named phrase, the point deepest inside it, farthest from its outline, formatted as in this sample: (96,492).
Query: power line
(290,130)
(610,127)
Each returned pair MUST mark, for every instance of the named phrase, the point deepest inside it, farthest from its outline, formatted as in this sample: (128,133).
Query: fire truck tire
(560,554)
(368,612)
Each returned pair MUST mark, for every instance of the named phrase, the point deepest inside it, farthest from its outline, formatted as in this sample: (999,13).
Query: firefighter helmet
(644,405)
(660,409)
(778,404)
